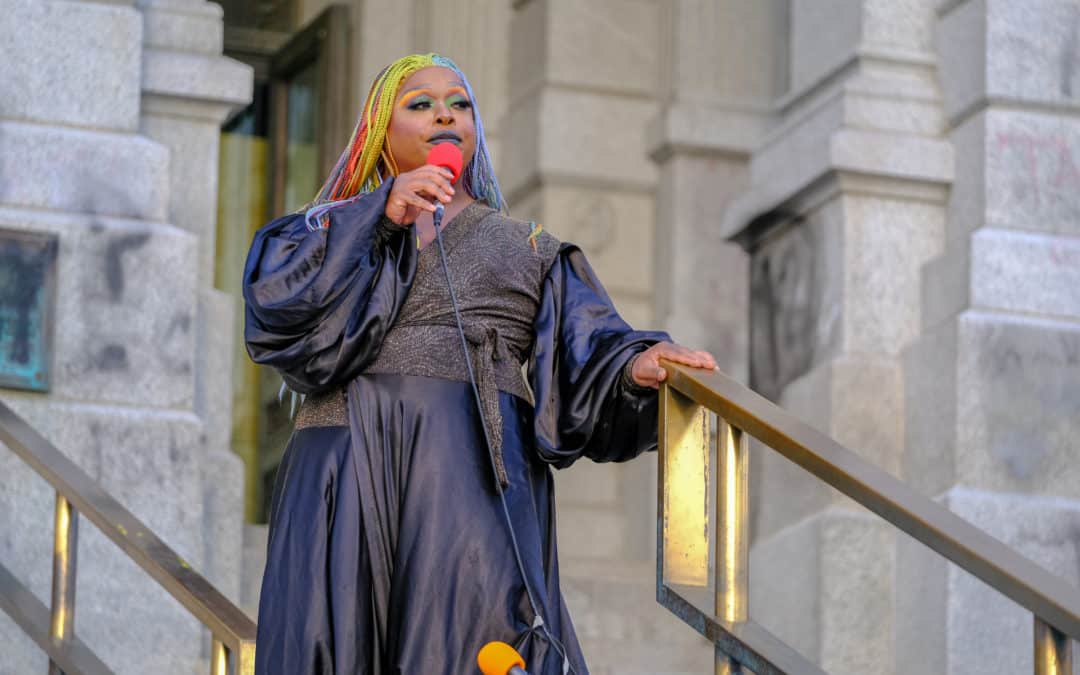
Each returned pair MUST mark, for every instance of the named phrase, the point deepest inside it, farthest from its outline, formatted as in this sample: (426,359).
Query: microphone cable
(538,621)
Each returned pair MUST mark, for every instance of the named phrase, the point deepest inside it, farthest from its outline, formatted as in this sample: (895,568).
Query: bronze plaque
(27,296)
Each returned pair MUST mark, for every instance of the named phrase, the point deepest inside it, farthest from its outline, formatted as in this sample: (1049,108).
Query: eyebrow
(416,92)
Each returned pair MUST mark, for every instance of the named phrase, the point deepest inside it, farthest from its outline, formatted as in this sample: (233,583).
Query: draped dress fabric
(389,551)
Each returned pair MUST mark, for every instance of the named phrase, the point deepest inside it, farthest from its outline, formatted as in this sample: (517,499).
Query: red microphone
(448,156)
(499,658)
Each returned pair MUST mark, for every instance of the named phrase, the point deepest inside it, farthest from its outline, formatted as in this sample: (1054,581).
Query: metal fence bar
(65,563)
(1053,650)
(1021,580)
(225,620)
(687,391)
(732,536)
(219,658)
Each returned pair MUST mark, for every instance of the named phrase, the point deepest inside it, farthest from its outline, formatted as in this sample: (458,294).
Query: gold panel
(685,466)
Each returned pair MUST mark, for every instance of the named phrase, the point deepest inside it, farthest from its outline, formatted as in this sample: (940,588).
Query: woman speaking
(413,515)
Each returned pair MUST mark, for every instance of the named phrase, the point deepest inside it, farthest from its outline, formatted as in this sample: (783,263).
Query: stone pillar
(125,405)
(993,385)
(846,203)
(188,88)
(726,64)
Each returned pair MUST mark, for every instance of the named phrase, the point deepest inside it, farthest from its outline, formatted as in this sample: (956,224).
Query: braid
(360,168)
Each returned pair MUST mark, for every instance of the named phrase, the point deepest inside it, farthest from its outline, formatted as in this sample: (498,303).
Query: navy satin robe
(389,551)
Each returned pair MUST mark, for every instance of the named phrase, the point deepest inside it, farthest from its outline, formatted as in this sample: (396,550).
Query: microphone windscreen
(446,155)
(497,658)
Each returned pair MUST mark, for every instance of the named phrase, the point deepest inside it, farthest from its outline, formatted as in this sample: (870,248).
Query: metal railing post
(219,658)
(65,560)
(1053,650)
(732,533)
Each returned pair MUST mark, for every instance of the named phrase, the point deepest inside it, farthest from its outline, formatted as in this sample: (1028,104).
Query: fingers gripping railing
(233,633)
(684,507)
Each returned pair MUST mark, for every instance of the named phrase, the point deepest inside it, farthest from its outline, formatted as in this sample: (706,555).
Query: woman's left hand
(646,371)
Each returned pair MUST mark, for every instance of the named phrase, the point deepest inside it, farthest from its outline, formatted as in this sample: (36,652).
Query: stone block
(881,288)
(1032,179)
(889,110)
(897,155)
(812,57)
(921,629)
(857,594)
(127,302)
(66,169)
(520,167)
(962,46)
(987,632)
(21,654)
(996,49)
(967,198)
(621,627)
(930,400)
(867,410)
(785,583)
(588,484)
(781,492)
(1025,272)
(946,285)
(215,355)
(613,227)
(590,532)
(71,63)
(150,463)
(595,136)
(223,505)
(906,25)
(205,78)
(1018,404)
(254,562)
(190,27)
(193,179)
(618,39)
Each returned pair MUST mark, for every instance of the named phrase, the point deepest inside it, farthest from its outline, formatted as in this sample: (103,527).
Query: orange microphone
(499,658)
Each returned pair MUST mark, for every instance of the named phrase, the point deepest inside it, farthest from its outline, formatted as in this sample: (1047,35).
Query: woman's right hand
(413,192)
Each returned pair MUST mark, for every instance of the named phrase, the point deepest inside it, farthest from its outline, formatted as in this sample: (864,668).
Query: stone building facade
(867,209)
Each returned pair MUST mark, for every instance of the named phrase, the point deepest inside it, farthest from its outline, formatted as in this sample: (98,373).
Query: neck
(424,223)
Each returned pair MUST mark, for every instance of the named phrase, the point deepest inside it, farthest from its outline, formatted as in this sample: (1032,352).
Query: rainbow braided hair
(361,167)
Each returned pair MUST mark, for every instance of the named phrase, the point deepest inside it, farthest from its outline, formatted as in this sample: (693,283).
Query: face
(431,107)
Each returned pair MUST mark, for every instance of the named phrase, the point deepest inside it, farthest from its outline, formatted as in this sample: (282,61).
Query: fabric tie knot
(485,348)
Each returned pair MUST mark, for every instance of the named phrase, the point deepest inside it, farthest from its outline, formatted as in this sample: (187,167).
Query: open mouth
(445,137)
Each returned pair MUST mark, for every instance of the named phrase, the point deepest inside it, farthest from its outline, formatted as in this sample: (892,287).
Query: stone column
(188,88)
(79,161)
(846,203)
(993,385)
(725,65)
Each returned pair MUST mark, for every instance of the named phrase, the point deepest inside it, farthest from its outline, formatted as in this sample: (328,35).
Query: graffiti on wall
(27,283)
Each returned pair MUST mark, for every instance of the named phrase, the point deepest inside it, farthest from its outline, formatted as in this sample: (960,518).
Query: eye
(420,104)
(463,104)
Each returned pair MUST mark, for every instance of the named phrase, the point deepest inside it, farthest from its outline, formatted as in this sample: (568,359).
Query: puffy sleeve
(585,405)
(318,303)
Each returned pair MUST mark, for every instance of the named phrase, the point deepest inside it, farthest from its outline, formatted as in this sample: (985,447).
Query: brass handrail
(682,546)
(232,631)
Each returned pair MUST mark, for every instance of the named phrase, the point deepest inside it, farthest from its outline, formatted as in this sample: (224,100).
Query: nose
(443,114)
